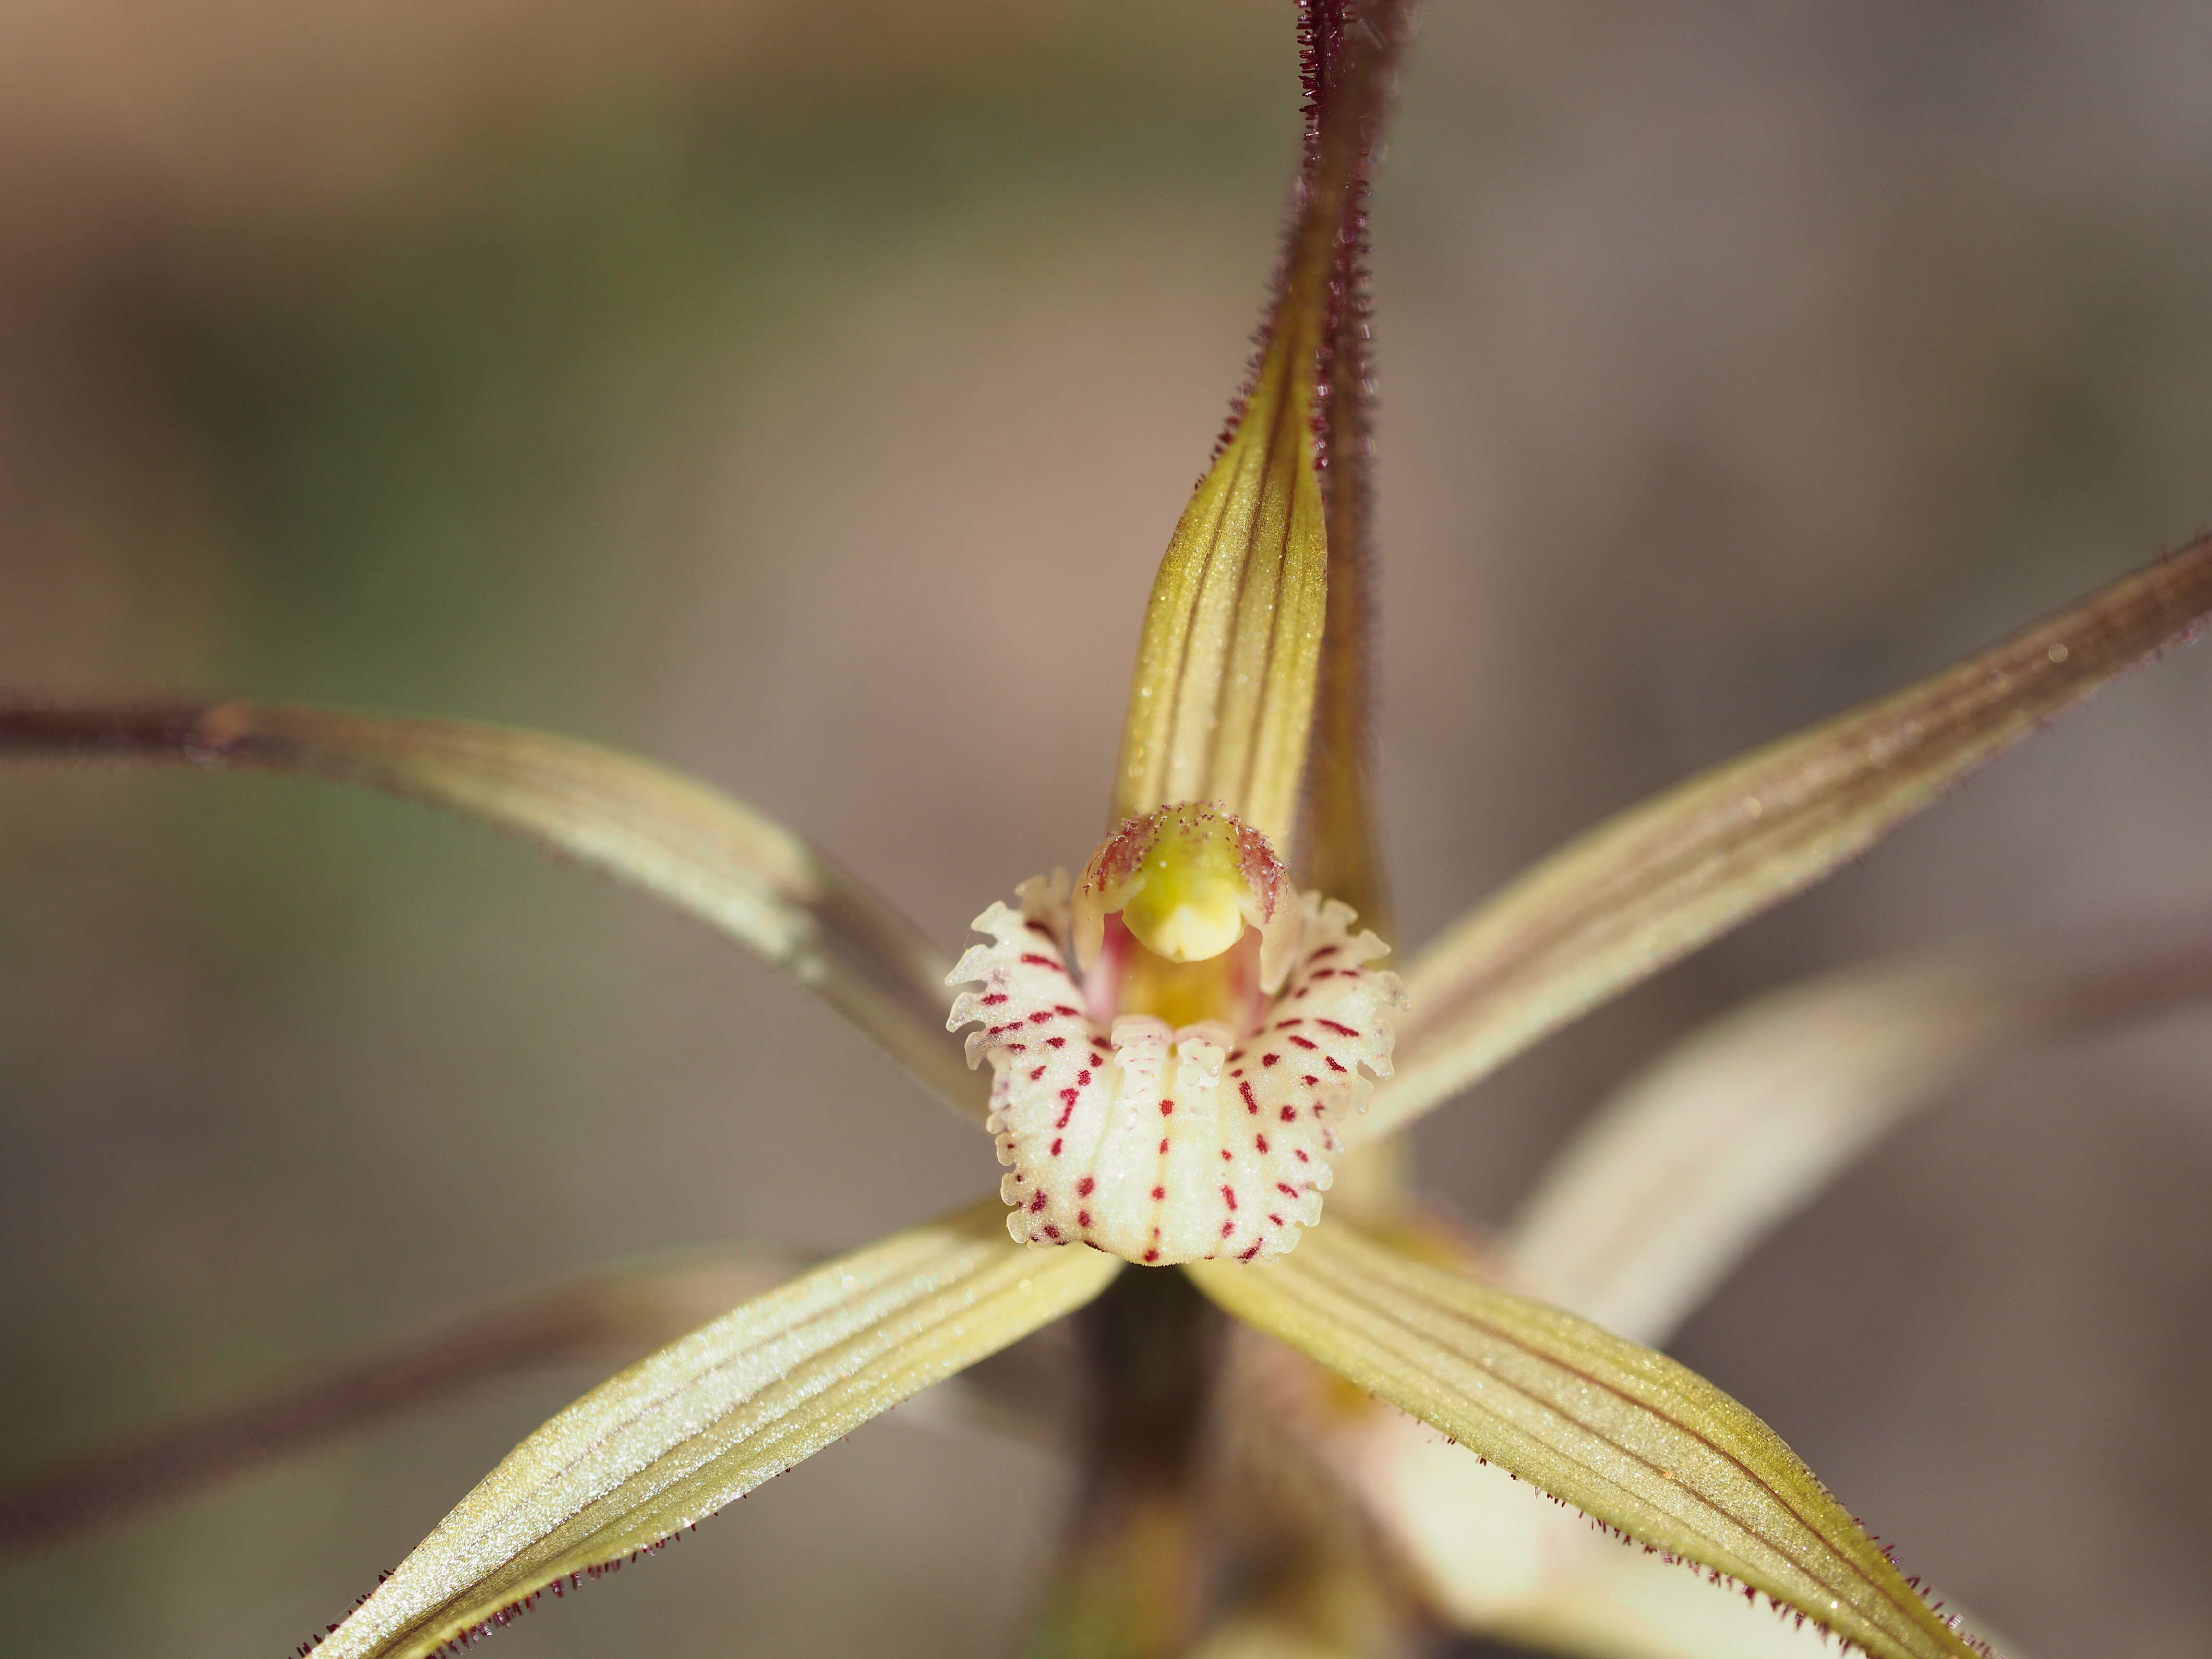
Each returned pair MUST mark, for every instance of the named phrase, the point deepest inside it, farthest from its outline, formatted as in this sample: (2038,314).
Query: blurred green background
(771,391)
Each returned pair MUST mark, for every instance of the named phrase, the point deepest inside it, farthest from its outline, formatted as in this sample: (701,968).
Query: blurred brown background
(769,395)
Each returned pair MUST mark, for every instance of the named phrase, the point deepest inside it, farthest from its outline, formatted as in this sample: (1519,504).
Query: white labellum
(1163,1145)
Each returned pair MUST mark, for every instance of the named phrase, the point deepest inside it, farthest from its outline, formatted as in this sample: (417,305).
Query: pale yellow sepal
(682,840)
(709,1417)
(1223,701)
(1679,1176)
(1669,875)
(1627,1436)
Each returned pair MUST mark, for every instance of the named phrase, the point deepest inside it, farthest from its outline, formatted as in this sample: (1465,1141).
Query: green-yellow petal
(1673,873)
(1632,1438)
(712,1416)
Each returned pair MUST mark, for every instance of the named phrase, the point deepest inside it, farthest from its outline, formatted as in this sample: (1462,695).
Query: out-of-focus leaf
(709,1417)
(1623,1433)
(681,839)
(1222,706)
(1265,1636)
(1616,1604)
(608,1317)
(1127,1586)
(1666,877)
(1675,1179)
(1499,1559)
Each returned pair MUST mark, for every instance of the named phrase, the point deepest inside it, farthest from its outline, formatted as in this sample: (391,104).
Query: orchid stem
(1132,1573)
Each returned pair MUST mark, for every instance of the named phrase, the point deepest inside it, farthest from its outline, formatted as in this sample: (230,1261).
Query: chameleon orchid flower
(1178,1049)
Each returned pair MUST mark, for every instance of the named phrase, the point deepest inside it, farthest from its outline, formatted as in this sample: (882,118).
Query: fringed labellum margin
(1159,1104)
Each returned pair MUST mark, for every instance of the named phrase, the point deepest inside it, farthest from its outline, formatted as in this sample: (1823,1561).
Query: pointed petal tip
(1628,898)
(650,1453)
(1632,1439)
